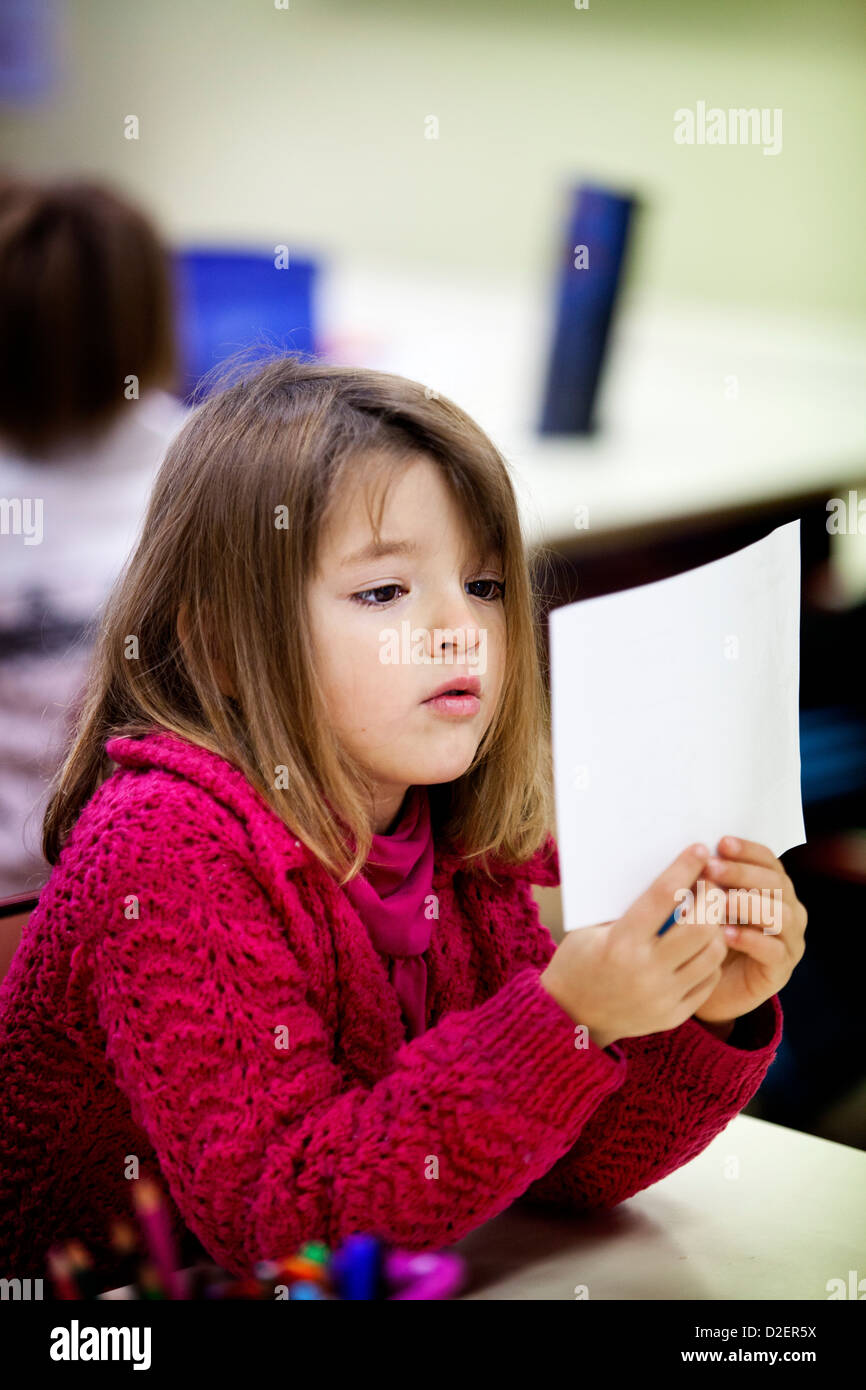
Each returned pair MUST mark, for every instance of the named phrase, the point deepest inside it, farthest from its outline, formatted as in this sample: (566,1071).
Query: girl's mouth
(457,702)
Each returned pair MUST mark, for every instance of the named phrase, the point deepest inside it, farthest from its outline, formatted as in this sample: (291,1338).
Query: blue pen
(669,923)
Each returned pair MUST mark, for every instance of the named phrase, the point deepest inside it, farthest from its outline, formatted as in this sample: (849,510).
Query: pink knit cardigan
(195,998)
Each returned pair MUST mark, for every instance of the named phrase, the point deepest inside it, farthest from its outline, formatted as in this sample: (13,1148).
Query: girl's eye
(498,585)
(361,598)
(368,603)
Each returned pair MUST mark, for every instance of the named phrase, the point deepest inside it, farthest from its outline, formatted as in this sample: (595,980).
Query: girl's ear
(222,676)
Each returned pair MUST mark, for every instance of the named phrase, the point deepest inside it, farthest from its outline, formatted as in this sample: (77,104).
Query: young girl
(288,960)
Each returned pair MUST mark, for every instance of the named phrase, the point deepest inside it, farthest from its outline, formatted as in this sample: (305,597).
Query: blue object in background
(237,299)
(599,221)
(30,50)
(832,752)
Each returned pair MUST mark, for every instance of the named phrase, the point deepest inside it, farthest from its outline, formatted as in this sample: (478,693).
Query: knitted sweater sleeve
(682,1087)
(230,1070)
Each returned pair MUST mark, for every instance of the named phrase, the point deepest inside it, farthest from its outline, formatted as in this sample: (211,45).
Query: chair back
(14,913)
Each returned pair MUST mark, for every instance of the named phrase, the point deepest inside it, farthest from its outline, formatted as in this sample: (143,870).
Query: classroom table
(704,409)
(763,1213)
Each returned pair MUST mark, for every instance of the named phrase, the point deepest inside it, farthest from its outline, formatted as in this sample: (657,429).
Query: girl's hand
(761,956)
(623,980)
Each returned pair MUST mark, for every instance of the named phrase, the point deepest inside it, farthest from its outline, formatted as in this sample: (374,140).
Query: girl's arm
(682,1087)
(230,1070)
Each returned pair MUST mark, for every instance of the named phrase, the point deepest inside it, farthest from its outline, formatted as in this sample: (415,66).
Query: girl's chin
(432,775)
(429,761)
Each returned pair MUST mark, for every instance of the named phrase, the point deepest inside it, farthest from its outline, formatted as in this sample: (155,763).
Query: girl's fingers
(708,983)
(706,958)
(765,949)
(747,889)
(647,913)
(736,874)
(757,911)
(752,853)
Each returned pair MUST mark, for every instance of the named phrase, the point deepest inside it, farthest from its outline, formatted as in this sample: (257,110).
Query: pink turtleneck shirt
(394,898)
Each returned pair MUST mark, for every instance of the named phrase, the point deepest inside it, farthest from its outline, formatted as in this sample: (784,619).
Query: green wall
(306,126)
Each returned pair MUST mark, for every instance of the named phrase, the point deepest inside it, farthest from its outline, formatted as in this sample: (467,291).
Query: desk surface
(793,1218)
(702,408)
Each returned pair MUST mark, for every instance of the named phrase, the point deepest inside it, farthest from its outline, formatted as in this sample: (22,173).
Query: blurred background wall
(313,117)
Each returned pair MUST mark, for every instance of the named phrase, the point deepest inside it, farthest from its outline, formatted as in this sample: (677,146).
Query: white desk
(672,444)
(793,1218)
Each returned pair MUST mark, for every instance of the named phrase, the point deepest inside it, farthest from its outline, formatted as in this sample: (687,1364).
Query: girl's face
(390,629)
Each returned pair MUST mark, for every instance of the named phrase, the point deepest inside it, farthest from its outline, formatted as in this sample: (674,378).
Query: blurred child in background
(87,357)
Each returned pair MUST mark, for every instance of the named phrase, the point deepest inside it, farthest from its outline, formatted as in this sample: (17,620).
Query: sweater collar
(212,771)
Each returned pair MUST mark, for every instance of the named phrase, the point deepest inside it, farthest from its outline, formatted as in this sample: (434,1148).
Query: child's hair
(86,299)
(291,434)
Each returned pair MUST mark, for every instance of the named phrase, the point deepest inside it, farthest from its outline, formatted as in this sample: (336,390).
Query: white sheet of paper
(675,719)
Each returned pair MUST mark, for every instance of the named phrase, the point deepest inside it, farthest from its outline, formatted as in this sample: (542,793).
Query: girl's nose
(457,622)
(461,644)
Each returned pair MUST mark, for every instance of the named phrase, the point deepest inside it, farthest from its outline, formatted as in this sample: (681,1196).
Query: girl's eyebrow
(375,550)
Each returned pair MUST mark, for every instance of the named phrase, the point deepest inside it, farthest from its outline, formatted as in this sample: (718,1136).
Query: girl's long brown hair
(280,441)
